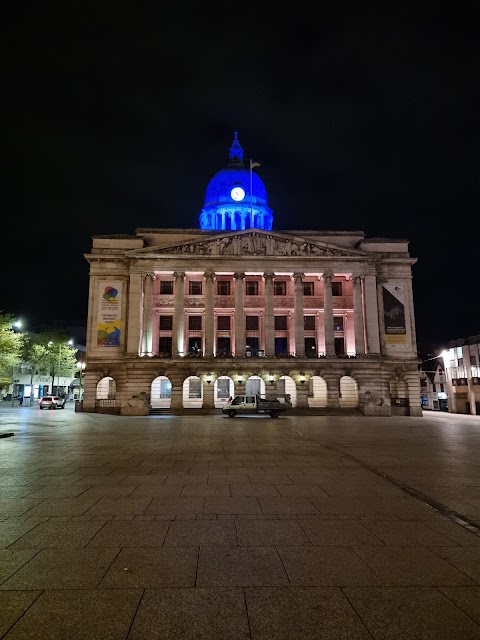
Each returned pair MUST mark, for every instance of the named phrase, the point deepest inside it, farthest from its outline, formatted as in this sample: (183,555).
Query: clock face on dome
(237,193)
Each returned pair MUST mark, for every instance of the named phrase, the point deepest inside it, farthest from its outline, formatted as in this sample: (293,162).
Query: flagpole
(251,199)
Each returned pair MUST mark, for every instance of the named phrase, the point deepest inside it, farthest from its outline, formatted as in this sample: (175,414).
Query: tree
(11,346)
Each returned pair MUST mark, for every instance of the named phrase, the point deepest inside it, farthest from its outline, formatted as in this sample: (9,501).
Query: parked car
(51,402)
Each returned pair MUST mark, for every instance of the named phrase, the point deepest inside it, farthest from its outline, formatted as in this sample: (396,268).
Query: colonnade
(365,310)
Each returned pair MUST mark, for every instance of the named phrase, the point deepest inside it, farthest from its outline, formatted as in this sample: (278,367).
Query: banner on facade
(394,315)
(109,325)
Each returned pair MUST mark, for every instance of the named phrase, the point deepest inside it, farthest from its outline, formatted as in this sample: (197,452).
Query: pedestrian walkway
(208,528)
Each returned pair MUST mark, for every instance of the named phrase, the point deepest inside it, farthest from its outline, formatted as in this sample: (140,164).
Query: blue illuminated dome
(236,198)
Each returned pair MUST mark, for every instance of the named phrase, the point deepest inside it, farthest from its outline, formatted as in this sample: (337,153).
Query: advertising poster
(109,326)
(394,315)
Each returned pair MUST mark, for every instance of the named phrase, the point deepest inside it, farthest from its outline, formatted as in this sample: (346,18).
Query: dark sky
(116,118)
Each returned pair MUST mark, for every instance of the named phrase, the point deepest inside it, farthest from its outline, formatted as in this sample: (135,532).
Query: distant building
(192,316)
(461,361)
(433,386)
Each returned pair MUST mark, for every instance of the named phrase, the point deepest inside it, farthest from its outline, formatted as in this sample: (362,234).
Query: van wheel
(274,414)
(231,414)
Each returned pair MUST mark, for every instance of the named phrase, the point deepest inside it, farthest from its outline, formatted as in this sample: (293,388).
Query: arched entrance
(106,392)
(223,389)
(161,393)
(254,385)
(286,384)
(348,393)
(192,393)
(317,393)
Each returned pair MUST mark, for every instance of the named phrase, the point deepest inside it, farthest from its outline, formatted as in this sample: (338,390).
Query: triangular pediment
(251,242)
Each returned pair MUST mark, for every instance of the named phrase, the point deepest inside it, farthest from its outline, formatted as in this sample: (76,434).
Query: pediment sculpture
(253,244)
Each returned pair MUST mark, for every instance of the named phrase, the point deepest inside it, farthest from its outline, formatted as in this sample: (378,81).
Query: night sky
(116,118)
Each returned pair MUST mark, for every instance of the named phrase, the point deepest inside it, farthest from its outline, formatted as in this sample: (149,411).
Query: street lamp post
(81,367)
(15,325)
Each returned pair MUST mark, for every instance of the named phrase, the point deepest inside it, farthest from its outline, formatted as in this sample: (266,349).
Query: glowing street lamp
(81,368)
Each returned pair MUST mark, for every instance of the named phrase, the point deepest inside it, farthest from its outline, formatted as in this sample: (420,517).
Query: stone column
(208,395)
(209,278)
(147,335)
(177,379)
(381,317)
(413,387)
(239,315)
(328,314)
(358,316)
(302,394)
(299,328)
(371,315)
(134,313)
(269,316)
(332,378)
(178,346)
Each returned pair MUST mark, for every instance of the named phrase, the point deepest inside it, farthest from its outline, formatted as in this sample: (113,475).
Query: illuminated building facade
(189,317)
(461,360)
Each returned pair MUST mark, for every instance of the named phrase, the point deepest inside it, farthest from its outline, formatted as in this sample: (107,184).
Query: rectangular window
(223,288)
(165,389)
(473,360)
(194,345)
(223,323)
(308,288)
(281,323)
(195,287)
(195,323)
(251,323)
(338,323)
(442,387)
(223,347)
(310,348)
(281,346)
(166,286)
(165,346)
(251,288)
(252,345)
(194,388)
(336,288)
(339,347)
(309,323)
(279,288)
(166,323)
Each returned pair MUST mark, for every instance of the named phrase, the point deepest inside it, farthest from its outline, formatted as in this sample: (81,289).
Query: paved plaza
(210,528)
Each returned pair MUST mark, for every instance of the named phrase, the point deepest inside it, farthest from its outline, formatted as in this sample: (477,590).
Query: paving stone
(12,560)
(312,613)
(61,569)
(176,506)
(144,568)
(465,598)
(62,506)
(130,533)
(13,605)
(234,505)
(191,614)
(240,567)
(341,533)
(310,566)
(258,533)
(413,613)
(407,534)
(120,506)
(78,615)
(466,559)
(412,566)
(201,533)
(57,535)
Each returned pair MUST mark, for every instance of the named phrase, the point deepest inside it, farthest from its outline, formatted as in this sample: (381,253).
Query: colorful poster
(109,326)
(394,315)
